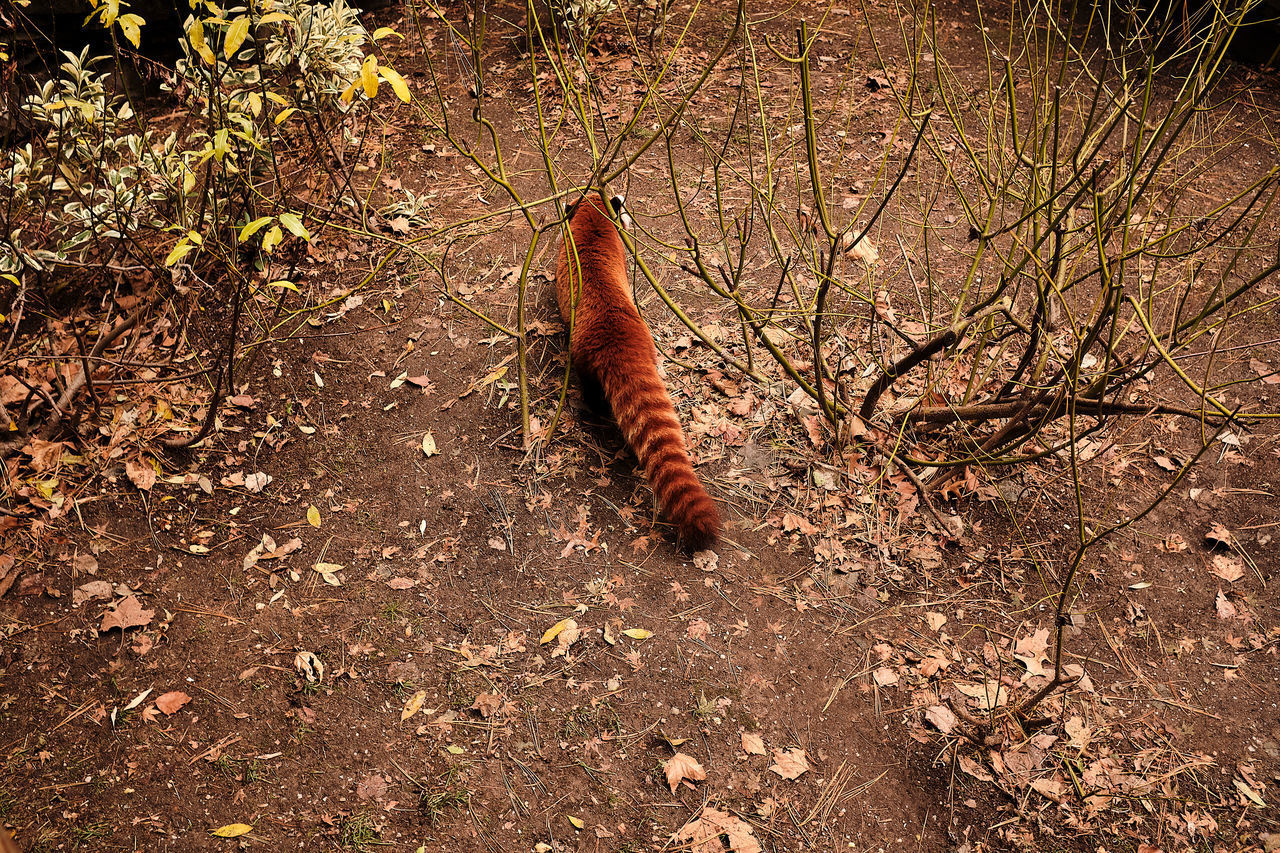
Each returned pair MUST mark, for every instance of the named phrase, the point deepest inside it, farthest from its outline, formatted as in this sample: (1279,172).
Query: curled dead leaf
(309,666)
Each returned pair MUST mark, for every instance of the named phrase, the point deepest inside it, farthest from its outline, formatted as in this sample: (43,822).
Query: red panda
(613,353)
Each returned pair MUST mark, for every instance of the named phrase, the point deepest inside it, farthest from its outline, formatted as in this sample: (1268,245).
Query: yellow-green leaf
(284,114)
(233,830)
(398,85)
(195,35)
(383,32)
(313,516)
(455,750)
(554,631)
(295,226)
(350,92)
(638,633)
(236,34)
(578,823)
(221,143)
(273,17)
(273,238)
(369,76)
(285,284)
(179,252)
(253,228)
(131,27)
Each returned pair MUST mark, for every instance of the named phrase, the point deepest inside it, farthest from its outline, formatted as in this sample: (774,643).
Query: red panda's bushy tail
(647,419)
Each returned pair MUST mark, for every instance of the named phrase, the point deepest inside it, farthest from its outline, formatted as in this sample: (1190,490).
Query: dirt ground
(321,627)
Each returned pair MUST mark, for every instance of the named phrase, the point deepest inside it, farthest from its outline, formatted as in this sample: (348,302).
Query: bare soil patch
(363,617)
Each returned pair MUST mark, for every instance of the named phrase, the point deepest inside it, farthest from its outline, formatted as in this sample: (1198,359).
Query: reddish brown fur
(611,346)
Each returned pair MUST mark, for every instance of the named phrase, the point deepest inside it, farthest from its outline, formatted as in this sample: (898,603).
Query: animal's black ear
(618,203)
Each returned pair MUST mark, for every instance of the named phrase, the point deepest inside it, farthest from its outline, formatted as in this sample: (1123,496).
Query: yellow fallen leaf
(455,750)
(313,516)
(233,830)
(414,705)
(638,633)
(578,823)
(555,630)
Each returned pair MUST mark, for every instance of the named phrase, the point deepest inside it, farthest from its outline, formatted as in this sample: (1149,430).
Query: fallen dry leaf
(129,613)
(8,572)
(1229,568)
(1264,371)
(309,666)
(681,767)
(413,705)
(790,763)
(709,831)
(90,591)
(170,703)
(487,704)
(45,455)
(752,744)
(1226,610)
(942,717)
(1219,537)
(554,631)
(795,523)
(885,677)
(233,830)
(372,787)
(141,474)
